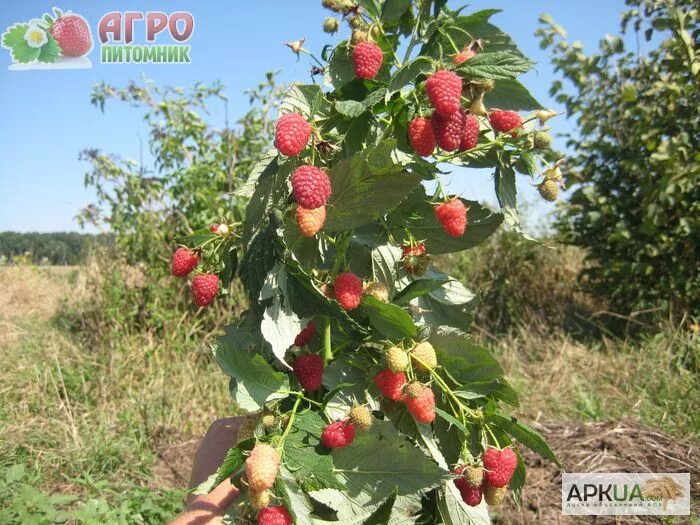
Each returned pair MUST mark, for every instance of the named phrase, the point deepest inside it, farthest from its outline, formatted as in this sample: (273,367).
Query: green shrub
(636,167)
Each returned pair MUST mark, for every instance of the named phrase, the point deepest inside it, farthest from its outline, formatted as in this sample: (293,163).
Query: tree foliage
(636,164)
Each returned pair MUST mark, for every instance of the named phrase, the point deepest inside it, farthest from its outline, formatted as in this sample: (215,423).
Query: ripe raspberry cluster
(489,480)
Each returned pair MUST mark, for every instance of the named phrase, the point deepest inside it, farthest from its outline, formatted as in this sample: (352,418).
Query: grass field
(103,431)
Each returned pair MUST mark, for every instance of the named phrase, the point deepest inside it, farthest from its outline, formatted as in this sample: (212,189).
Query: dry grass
(75,414)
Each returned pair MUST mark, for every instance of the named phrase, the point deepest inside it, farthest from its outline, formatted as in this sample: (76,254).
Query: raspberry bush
(368,401)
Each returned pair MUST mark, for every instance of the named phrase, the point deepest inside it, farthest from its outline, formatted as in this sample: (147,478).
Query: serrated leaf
(466,361)
(506,192)
(496,65)
(279,327)
(366,186)
(23,53)
(305,458)
(254,381)
(294,497)
(393,10)
(385,260)
(408,73)
(497,388)
(306,99)
(340,70)
(510,94)
(380,462)
(527,163)
(264,163)
(350,108)
(14,35)
(524,434)
(392,321)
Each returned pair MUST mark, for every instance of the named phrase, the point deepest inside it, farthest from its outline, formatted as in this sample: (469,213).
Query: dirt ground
(588,447)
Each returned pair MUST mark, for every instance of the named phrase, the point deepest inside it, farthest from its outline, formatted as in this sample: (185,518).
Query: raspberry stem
(280,445)
(327,350)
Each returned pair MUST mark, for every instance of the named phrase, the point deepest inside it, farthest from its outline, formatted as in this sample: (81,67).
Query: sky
(47,118)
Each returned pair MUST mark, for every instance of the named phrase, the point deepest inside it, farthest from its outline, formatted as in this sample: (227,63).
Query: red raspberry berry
(204,288)
(444,91)
(311,186)
(309,221)
(470,136)
(505,121)
(348,290)
(261,467)
(390,384)
(420,401)
(292,134)
(367,58)
(308,368)
(500,466)
(184,261)
(470,495)
(338,435)
(274,516)
(448,130)
(305,335)
(214,228)
(453,217)
(421,137)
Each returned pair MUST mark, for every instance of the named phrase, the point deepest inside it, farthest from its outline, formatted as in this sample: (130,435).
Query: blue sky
(47,118)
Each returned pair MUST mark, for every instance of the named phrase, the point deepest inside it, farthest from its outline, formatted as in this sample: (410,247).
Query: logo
(63,40)
(117,30)
(54,41)
(622,494)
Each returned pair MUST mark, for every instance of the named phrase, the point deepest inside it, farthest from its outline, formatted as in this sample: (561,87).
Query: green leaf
(254,381)
(408,73)
(307,100)
(279,326)
(393,10)
(380,462)
(383,513)
(497,65)
(294,497)
(417,288)
(340,70)
(497,388)
(354,108)
(302,454)
(268,161)
(366,186)
(50,51)
(390,320)
(510,94)
(385,260)
(527,163)
(465,361)
(506,192)
(24,53)
(14,35)
(525,434)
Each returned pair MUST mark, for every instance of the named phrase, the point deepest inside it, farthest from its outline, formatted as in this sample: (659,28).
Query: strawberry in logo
(72,33)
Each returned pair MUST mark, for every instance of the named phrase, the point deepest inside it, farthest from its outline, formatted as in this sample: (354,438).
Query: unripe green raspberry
(361,417)
(330,25)
(494,496)
(269,421)
(377,290)
(474,474)
(396,359)
(359,36)
(425,353)
(356,22)
(549,190)
(333,5)
(347,5)
(542,140)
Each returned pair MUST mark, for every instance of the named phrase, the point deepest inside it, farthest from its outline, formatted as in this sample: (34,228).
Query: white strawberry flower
(35,36)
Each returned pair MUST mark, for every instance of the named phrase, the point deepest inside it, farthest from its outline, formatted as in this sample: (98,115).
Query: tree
(636,164)
(368,401)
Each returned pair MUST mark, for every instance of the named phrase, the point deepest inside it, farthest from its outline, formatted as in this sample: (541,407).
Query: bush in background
(636,163)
